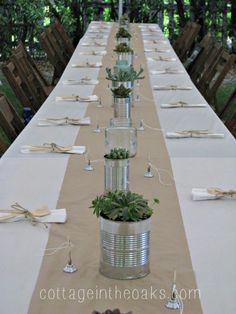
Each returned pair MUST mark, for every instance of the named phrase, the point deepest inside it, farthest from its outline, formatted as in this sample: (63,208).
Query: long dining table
(194,239)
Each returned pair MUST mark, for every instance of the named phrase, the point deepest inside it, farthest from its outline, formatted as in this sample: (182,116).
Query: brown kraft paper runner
(87,290)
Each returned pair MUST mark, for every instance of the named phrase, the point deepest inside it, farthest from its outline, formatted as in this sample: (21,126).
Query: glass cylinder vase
(121,137)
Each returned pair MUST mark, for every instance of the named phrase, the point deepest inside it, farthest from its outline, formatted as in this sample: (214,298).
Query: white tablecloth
(34,180)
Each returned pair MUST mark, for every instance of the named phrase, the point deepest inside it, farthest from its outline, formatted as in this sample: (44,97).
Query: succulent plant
(124,75)
(121,92)
(123,48)
(124,19)
(116,311)
(123,33)
(118,153)
(122,206)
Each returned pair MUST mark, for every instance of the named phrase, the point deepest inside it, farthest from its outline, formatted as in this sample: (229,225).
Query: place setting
(213,193)
(77,98)
(182,104)
(160,50)
(172,88)
(86,80)
(167,71)
(161,58)
(93,53)
(87,64)
(64,121)
(53,148)
(35,216)
(94,43)
(194,134)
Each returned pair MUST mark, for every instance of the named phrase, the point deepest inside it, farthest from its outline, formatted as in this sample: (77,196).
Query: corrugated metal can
(126,84)
(122,108)
(123,40)
(116,174)
(128,56)
(124,248)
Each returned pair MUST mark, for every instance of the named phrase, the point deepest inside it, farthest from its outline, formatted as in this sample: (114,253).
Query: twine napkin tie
(51,147)
(30,215)
(220,192)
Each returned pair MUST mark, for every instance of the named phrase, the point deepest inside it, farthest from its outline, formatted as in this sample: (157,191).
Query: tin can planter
(122,137)
(116,174)
(126,84)
(120,122)
(124,248)
(122,108)
(123,40)
(127,56)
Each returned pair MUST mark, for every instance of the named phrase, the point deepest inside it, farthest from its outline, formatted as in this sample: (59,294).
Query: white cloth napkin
(167,71)
(64,121)
(172,87)
(166,59)
(77,98)
(55,216)
(98,31)
(93,53)
(25,149)
(182,104)
(203,194)
(156,50)
(98,44)
(81,82)
(87,65)
(194,134)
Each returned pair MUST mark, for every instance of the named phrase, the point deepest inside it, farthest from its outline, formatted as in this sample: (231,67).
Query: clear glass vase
(121,137)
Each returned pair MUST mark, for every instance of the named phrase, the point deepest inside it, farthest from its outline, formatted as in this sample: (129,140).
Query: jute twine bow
(30,215)
(220,192)
(180,104)
(65,120)
(192,133)
(51,147)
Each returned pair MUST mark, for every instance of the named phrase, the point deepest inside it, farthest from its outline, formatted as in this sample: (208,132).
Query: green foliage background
(25,19)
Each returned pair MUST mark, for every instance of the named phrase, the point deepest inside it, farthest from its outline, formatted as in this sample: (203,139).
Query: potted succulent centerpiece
(123,36)
(124,234)
(124,77)
(124,21)
(116,170)
(121,102)
(124,52)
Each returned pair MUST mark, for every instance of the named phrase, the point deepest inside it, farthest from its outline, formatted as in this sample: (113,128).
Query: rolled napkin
(53,148)
(156,50)
(83,81)
(95,43)
(211,194)
(194,134)
(153,29)
(167,71)
(98,31)
(64,121)
(87,65)
(78,98)
(182,104)
(93,53)
(160,58)
(35,216)
(172,87)
(95,36)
